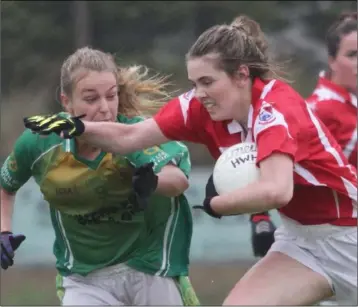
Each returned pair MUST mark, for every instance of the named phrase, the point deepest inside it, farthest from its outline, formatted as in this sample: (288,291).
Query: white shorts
(326,249)
(119,285)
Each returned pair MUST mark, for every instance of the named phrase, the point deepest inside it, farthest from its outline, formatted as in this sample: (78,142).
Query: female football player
(238,97)
(334,99)
(114,245)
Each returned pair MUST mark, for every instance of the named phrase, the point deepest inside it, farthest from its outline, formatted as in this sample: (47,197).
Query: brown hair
(345,24)
(138,93)
(241,42)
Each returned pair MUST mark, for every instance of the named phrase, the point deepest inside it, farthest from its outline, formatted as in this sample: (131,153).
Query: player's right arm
(173,122)
(123,138)
(15,172)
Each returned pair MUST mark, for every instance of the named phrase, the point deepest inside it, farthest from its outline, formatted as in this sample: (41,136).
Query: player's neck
(337,81)
(87,151)
(243,112)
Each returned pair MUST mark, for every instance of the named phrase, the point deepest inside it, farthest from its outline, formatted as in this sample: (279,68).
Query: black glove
(262,236)
(210,193)
(144,182)
(9,244)
(46,124)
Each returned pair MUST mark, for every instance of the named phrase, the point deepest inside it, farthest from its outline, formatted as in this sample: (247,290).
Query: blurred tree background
(37,36)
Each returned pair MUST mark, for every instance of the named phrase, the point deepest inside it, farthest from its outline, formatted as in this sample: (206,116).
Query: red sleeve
(275,131)
(177,118)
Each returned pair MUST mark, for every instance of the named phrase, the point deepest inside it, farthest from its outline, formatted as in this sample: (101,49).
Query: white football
(236,168)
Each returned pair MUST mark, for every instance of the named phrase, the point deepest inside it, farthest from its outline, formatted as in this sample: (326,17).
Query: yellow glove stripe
(56,124)
(47,120)
(72,131)
(36,118)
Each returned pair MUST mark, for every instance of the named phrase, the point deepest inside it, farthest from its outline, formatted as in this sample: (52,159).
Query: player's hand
(144,180)
(9,244)
(46,124)
(210,193)
(262,236)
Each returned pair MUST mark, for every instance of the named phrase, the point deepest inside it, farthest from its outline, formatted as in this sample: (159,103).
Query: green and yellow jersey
(95,216)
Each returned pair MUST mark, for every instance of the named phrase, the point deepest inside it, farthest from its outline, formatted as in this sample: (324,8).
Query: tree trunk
(81,20)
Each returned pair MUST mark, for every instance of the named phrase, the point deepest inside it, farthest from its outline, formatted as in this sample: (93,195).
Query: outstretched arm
(123,138)
(172,122)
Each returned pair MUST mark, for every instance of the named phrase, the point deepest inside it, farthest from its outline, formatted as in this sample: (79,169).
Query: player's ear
(332,63)
(242,76)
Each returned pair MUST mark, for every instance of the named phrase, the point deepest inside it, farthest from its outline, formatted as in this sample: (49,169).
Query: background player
(112,246)
(334,99)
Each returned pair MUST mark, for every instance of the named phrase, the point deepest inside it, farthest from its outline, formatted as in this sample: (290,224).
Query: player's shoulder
(31,139)
(327,92)
(278,95)
(33,145)
(279,104)
(325,96)
(323,100)
(282,91)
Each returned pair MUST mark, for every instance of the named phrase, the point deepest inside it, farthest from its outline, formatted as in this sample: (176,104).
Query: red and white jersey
(337,109)
(279,121)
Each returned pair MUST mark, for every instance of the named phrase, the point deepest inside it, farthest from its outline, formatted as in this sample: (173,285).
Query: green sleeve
(171,152)
(179,155)
(16,170)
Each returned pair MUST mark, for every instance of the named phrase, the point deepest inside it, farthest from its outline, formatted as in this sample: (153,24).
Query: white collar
(235,127)
(353,99)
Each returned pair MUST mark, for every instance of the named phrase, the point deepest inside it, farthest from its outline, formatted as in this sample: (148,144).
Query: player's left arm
(172,180)
(276,143)
(171,164)
(273,190)
(174,176)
